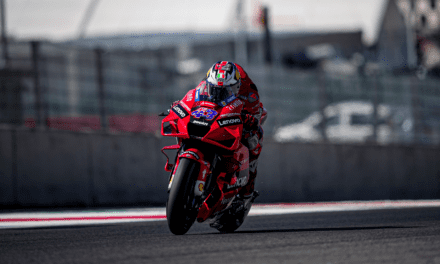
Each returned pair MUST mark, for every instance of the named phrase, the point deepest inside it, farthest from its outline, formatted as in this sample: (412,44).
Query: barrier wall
(329,172)
(56,168)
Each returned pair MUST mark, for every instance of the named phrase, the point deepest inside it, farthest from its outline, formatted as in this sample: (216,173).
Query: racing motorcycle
(211,165)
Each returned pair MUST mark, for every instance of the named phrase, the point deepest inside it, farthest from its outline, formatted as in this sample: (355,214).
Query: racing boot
(234,217)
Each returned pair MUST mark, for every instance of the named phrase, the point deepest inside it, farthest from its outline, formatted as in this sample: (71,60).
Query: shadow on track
(315,229)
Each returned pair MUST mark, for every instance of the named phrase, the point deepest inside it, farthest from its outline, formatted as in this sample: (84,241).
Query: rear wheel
(234,217)
(181,206)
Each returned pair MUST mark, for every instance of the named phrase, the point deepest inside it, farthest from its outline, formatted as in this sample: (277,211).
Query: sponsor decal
(252,97)
(234,105)
(204,113)
(185,106)
(199,187)
(229,115)
(180,111)
(200,123)
(242,97)
(227,100)
(240,182)
(208,104)
(191,153)
(200,97)
(229,121)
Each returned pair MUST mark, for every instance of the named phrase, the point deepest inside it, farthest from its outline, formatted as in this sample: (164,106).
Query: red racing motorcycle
(211,164)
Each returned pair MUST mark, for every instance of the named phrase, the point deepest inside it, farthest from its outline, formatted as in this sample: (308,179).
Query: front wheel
(181,205)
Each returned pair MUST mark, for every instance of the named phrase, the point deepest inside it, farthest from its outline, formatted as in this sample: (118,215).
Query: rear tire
(181,205)
(234,217)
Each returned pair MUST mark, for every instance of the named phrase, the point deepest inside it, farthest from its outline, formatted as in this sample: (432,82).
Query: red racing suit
(248,94)
(253,116)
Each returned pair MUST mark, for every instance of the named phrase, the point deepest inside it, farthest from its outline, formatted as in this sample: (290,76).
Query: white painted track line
(88,217)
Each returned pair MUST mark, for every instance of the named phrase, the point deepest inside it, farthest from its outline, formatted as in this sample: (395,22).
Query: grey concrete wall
(6,174)
(78,169)
(55,168)
(324,172)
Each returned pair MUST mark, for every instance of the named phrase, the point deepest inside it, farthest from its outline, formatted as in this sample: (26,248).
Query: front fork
(205,180)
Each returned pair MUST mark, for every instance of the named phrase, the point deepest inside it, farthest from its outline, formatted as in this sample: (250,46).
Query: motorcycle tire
(233,218)
(181,205)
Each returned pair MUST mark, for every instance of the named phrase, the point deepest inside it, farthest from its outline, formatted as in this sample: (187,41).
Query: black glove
(250,123)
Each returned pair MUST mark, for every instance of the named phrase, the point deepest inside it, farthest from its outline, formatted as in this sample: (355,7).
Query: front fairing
(216,124)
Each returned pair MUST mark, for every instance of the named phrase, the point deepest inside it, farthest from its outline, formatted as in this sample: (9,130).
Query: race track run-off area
(328,232)
(106,216)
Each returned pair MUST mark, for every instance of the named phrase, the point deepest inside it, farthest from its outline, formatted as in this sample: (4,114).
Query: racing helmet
(222,81)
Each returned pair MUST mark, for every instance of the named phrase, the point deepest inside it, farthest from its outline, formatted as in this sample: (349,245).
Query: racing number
(207,113)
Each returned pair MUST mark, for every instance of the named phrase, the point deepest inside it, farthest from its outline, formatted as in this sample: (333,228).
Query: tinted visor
(218,93)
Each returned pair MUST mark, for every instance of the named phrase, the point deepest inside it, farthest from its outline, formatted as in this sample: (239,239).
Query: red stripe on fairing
(82,218)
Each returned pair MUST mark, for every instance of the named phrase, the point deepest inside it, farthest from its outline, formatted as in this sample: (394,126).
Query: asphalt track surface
(399,235)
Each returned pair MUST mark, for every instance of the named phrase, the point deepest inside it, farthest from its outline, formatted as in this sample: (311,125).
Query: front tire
(181,205)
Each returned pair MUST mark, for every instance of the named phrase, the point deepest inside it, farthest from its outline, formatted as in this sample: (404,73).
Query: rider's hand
(250,123)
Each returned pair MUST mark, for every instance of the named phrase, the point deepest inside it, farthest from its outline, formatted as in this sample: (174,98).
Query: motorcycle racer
(225,81)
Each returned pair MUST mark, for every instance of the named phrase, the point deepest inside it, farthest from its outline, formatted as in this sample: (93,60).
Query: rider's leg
(253,164)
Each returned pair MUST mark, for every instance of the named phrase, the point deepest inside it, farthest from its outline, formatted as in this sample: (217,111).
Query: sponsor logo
(240,182)
(191,153)
(229,115)
(234,105)
(227,100)
(185,106)
(199,187)
(252,97)
(229,121)
(200,123)
(179,111)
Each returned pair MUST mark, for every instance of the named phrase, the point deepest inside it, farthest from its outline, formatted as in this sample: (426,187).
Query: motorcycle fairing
(177,123)
(228,185)
(168,165)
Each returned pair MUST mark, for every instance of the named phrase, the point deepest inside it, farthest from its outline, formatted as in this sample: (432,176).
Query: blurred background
(333,73)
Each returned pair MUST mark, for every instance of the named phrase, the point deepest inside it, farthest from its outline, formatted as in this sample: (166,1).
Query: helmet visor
(217,93)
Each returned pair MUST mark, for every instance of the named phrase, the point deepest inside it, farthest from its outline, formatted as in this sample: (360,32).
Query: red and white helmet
(224,75)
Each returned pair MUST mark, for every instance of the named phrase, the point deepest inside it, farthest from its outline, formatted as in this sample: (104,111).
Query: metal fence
(381,108)
(63,87)
(53,86)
